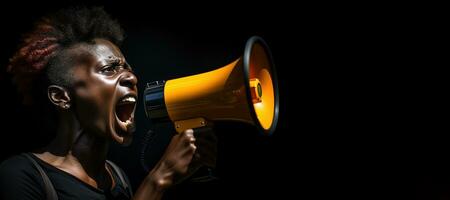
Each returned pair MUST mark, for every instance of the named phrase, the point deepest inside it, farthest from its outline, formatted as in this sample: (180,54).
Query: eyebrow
(114,60)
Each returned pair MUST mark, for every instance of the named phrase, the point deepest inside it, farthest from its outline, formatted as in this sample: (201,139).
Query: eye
(111,69)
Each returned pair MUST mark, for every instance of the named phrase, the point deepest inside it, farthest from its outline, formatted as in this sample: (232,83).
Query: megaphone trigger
(194,123)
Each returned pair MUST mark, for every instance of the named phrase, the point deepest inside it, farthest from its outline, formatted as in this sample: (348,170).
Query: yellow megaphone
(245,90)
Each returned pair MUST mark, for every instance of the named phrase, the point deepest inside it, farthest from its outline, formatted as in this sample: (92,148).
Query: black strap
(49,189)
(122,177)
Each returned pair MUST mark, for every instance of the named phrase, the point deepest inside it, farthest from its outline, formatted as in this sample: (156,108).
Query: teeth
(130,126)
(129,99)
(127,122)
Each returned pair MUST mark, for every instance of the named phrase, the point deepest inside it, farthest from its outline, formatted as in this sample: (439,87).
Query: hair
(40,60)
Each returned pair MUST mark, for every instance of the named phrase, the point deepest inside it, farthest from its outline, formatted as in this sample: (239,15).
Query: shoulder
(17,165)
(19,179)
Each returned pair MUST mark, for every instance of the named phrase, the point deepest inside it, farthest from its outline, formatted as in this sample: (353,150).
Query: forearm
(150,189)
(156,182)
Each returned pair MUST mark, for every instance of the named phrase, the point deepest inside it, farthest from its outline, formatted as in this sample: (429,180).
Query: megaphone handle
(206,171)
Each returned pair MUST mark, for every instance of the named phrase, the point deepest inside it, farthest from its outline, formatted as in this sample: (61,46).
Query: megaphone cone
(245,90)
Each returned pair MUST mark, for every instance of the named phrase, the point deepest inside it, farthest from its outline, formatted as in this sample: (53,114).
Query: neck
(90,152)
(78,151)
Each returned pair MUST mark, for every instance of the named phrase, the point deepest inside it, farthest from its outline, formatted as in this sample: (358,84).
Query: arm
(172,166)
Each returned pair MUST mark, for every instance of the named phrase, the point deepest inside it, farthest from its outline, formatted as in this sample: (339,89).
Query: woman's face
(104,91)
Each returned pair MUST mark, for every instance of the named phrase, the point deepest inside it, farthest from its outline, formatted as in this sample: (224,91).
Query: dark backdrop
(351,85)
(170,41)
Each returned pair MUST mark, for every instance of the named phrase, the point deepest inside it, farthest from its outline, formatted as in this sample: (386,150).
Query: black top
(19,179)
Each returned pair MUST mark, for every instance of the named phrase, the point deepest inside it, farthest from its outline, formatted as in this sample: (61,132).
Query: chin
(120,137)
(126,141)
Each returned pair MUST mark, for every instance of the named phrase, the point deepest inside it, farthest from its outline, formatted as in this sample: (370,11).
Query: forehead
(104,49)
(82,58)
(99,51)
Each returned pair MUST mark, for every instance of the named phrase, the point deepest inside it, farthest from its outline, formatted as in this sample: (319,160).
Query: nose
(129,80)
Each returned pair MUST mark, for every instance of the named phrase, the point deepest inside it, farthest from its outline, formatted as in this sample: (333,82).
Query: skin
(88,123)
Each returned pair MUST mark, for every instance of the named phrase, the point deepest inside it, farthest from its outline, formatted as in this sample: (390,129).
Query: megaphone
(246,90)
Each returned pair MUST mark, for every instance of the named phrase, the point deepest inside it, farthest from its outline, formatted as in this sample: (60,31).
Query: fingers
(189,139)
(187,149)
(189,157)
(206,154)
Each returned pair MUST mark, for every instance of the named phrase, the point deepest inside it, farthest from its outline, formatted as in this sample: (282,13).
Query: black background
(357,118)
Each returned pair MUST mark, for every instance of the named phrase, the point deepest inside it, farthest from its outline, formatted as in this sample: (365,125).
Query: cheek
(92,97)
(95,102)
(97,90)
(89,109)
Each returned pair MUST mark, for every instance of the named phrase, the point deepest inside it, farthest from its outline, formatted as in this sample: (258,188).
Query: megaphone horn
(245,90)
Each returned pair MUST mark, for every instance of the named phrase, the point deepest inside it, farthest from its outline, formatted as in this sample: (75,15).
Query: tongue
(124,111)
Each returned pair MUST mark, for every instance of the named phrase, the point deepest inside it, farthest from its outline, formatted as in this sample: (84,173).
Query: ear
(59,96)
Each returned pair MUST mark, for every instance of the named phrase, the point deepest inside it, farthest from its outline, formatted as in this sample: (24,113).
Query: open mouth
(125,112)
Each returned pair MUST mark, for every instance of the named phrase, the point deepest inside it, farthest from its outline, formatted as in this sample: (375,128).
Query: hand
(177,163)
(206,154)
(174,164)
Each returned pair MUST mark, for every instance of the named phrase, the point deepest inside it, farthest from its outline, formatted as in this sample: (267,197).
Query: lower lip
(126,127)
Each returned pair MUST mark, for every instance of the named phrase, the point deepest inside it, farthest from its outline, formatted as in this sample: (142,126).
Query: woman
(71,63)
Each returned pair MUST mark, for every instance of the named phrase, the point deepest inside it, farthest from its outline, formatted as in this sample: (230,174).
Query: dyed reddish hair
(32,64)
(33,55)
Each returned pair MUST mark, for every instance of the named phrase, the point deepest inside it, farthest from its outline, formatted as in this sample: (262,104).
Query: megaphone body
(245,90)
